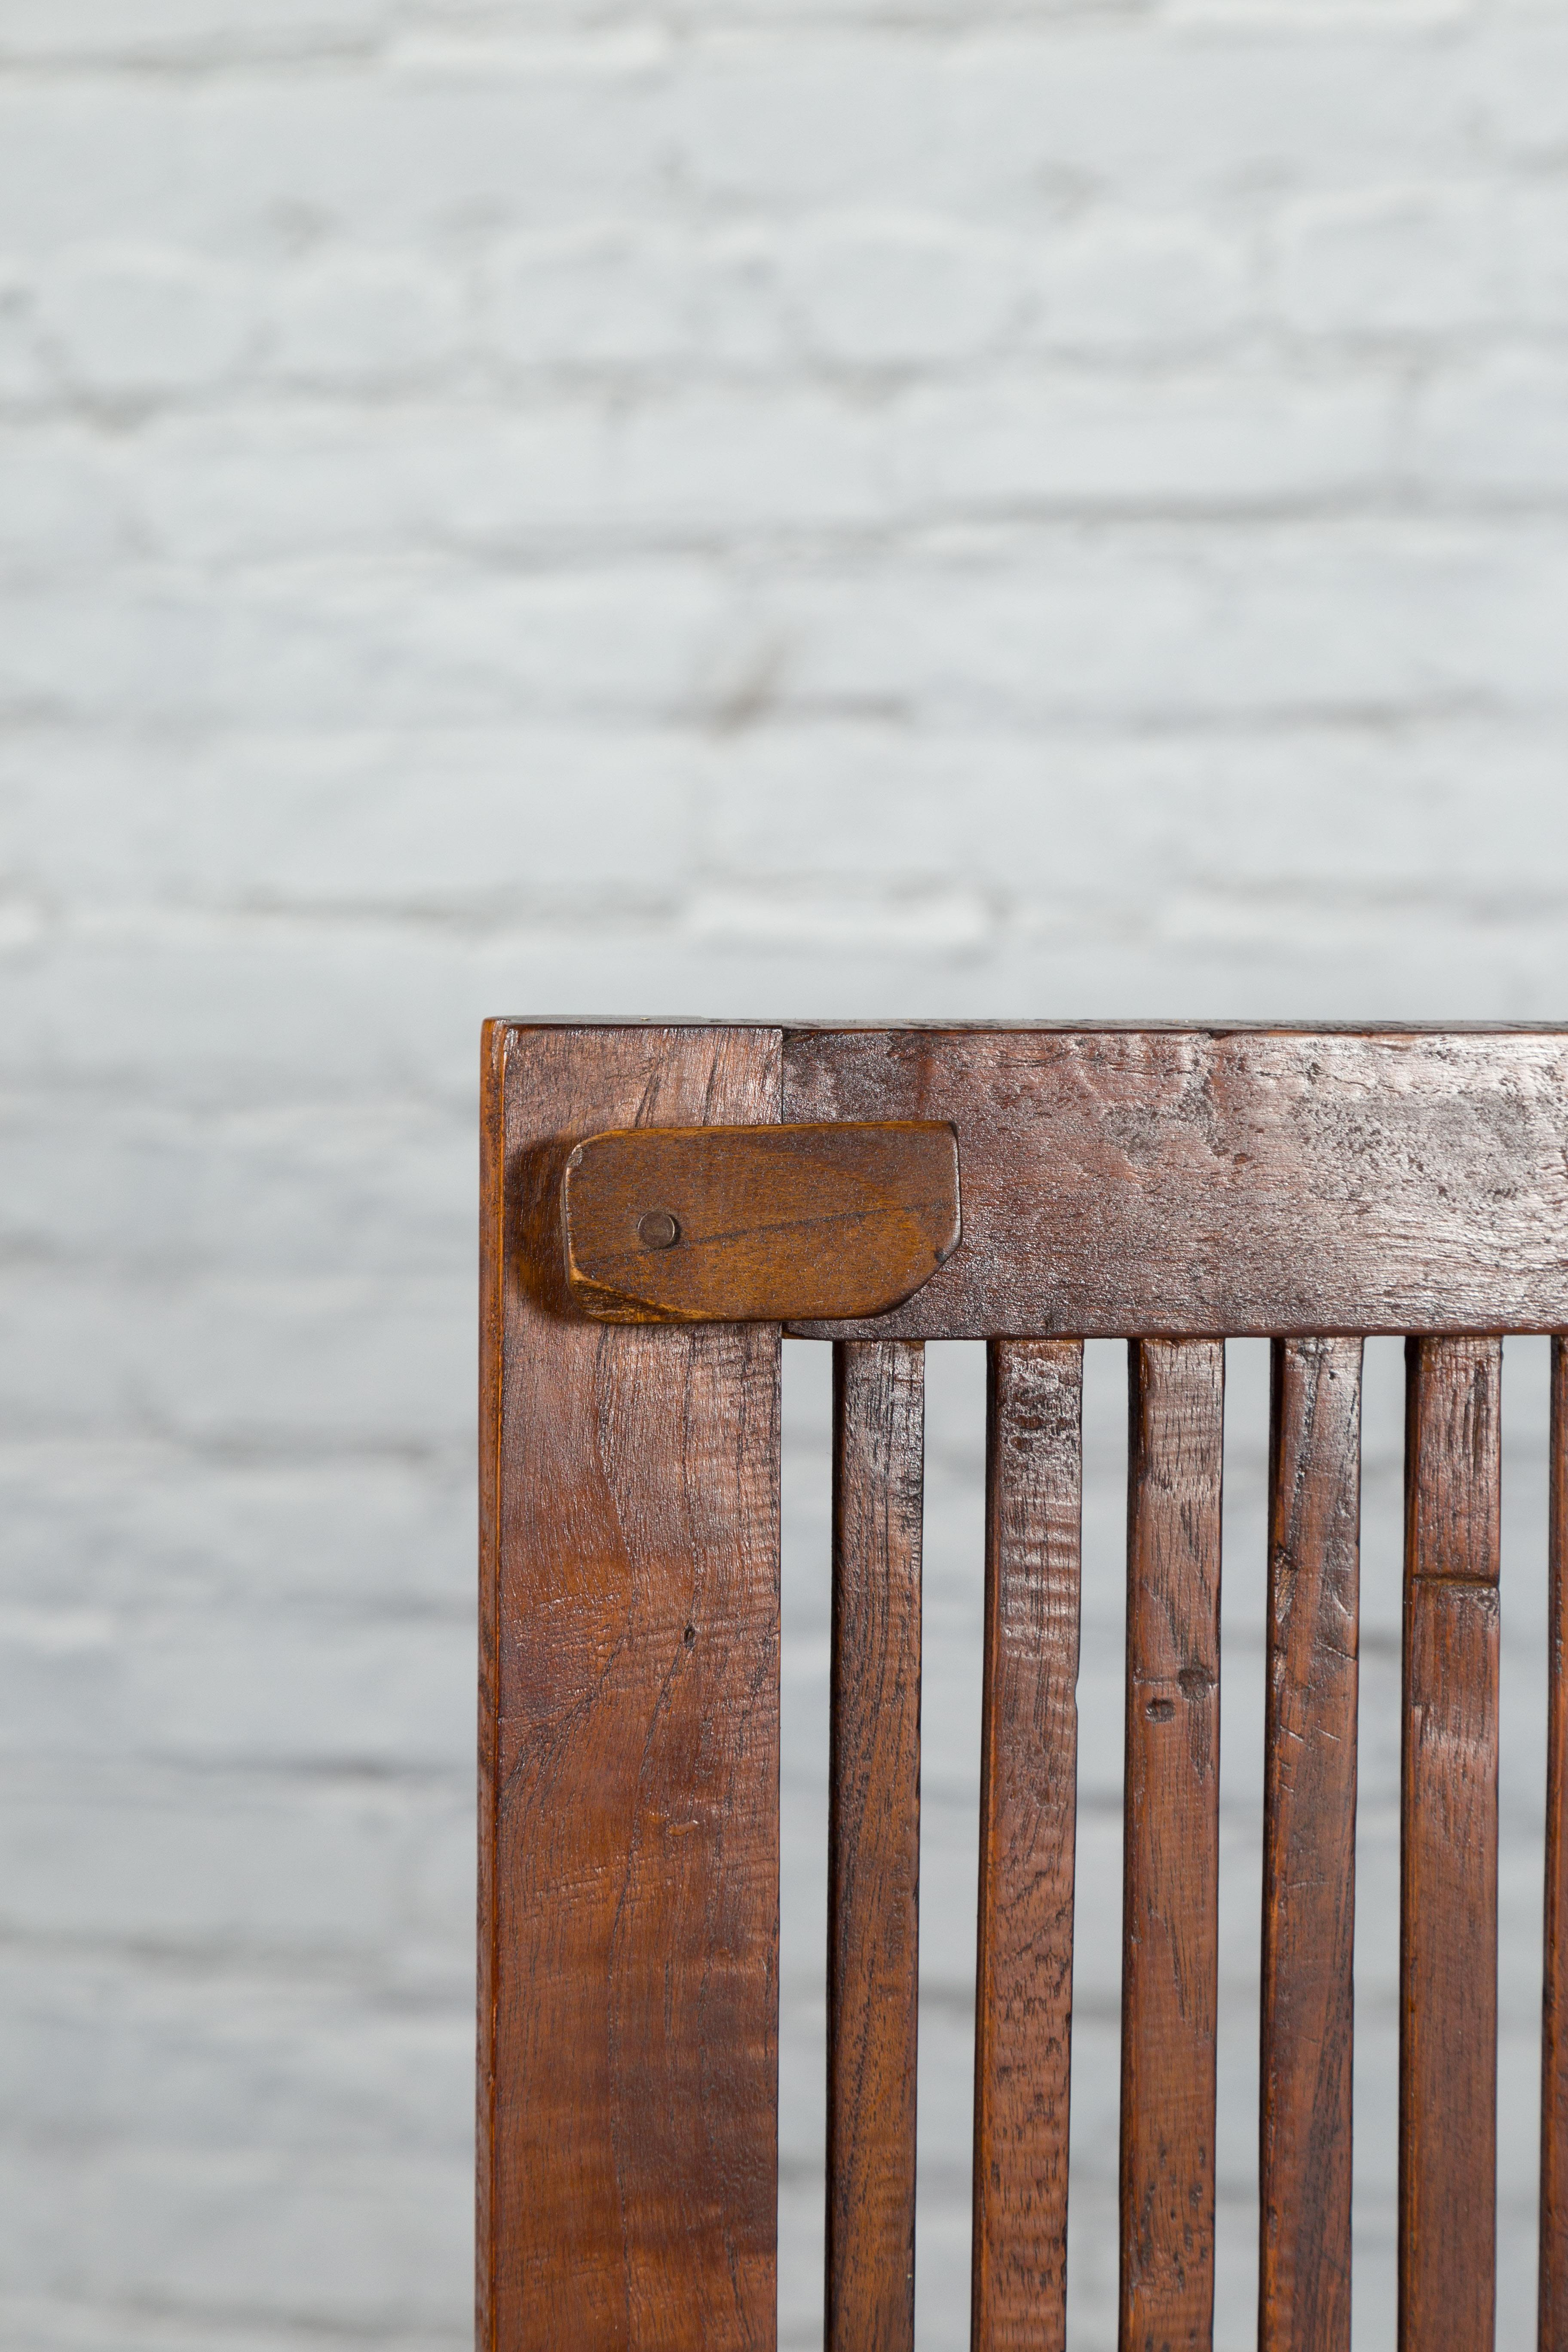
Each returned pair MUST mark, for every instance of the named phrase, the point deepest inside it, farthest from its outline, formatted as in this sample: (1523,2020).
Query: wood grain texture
(1308,1847)
(873,1899)
(1170,1855)
(628,1752)
(1285,1182)
(1447,2053)
(758,1224)
(1028,1804)
(1554,2327)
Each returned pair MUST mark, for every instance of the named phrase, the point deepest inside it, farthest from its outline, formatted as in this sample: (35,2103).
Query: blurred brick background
(896,507)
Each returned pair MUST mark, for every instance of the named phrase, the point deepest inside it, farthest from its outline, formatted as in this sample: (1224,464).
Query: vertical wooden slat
(1448,2048)
(1170,1864)
(873,1916)
(628,1813)
(1553,2329)
(1308,1847)
(1028,1803)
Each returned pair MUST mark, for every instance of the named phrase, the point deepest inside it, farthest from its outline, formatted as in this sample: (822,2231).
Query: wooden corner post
(628,1744)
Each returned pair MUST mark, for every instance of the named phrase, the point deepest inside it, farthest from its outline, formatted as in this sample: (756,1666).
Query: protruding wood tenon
(758,1224)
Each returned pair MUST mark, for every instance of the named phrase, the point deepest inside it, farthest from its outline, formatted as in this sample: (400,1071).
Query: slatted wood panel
(1170,1855)
(1028,1816)
(1308,1847)
(1447,2053)
(874,1851)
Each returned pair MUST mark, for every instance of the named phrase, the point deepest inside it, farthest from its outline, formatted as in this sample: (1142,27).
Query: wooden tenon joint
(758,1224)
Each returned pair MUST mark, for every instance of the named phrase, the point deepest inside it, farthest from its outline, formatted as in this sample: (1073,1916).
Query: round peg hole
(656,1229)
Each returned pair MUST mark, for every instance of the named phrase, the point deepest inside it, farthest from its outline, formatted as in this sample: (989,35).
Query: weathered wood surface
(1028,1816)
(1553,2329)
(1171,1856)
(1157,1181)
(874,1846)
(1447,2055)
(1308,1847)
(1283,1183)
(758,1224)
(628,1815)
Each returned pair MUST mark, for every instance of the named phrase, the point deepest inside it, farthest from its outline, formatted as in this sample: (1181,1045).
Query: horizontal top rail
(1169,1182)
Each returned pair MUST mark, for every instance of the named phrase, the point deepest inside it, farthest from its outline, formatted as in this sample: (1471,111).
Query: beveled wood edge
(1199,1027)
(861,1328)
(492,1286)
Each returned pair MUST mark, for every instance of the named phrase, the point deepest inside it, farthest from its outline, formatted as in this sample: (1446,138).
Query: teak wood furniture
(658,1202)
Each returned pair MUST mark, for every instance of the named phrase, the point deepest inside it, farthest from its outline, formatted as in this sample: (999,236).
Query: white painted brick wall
(890,506)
